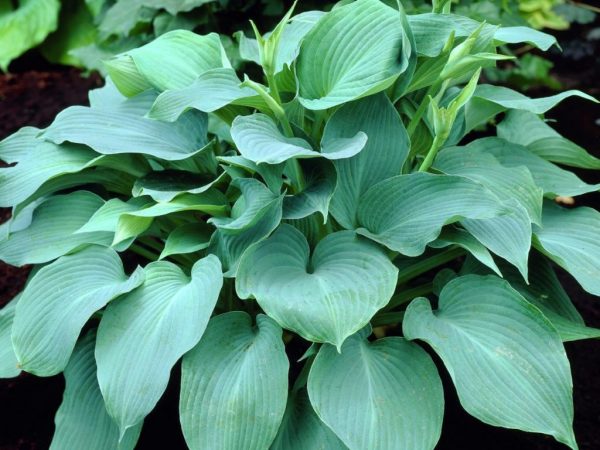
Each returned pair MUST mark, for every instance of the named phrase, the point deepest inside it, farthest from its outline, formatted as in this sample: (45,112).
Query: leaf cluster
(314,207)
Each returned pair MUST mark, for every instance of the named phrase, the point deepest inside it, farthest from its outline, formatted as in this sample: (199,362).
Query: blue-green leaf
(234,384)
(324,298)
(381,395)
(59,300)
(571,238)
(82,420)
(52,232)
(406,212)
(362,50)
(259,140)
(183,56)
(383,156)
(122,128)
(8,361)
(143,334)
(506,359)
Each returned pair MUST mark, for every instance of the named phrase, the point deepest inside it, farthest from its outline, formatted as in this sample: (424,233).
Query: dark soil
(29,403)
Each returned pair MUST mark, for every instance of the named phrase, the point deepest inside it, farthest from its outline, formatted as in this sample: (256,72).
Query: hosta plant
(298,238)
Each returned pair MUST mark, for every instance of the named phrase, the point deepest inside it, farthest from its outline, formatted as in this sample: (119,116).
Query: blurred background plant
(83,33)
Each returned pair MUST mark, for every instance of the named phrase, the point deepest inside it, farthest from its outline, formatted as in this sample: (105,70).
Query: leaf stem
(409,294)
(431,154)
(421,267)
(272,103)
(143,252)
(414,121)
(387,318)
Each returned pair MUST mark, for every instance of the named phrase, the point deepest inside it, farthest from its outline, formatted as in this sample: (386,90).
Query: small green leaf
(59,300)
(406,212)
(456,236)
(165,185)
(234,384)
(52,232)
(361,52)
(82,420)
(143,334)
(188,238)
(259,140)
(324,298)
(506,359)
(571,238)
(381,395)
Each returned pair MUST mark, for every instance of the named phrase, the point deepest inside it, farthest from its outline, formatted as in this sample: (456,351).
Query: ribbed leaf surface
(572,239)
(381,395)
(234,384)
(143,334)
(506,359)
(406,212)
(59,300)
(82,420)
(324,298)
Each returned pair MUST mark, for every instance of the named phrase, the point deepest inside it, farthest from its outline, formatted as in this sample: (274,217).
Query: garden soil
(28,403)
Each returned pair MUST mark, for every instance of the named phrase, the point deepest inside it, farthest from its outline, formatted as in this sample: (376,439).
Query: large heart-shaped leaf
(362,50)
(52,230)
(183,56)
(407,212)
(82,420)
(142,335)
(234,384)
(383,156)
(324,298)
(122,128)
(59,300)
(381,395)
(9,366)
(571,238)
(259,140)
(506,359)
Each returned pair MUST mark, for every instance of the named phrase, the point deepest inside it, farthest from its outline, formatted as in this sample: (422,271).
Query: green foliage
(314,205)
